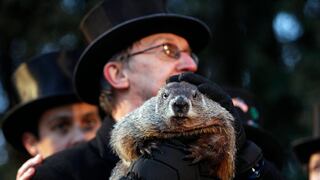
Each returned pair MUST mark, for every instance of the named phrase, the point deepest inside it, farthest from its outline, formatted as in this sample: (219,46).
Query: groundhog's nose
(180,106)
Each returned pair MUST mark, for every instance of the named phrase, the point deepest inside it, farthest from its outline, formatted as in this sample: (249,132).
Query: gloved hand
(217,94)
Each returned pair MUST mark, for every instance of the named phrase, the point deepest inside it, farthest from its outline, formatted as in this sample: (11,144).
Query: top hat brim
(23,117)
(88,72)
(271,148)
(305,147)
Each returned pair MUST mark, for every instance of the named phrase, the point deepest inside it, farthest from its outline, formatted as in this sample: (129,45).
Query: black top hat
(305,147)
(41,83)
(113,25)
(248,111)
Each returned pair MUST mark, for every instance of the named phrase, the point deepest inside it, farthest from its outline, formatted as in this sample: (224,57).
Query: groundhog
(178,110)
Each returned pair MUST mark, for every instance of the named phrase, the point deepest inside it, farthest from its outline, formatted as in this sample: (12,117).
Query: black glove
(217,94)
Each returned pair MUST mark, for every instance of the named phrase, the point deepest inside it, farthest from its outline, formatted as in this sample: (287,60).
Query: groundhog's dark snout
(180,106)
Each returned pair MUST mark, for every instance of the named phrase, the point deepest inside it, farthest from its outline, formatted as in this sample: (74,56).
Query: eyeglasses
(170,50)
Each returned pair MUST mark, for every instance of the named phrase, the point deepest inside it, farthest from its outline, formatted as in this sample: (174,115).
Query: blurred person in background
(48,117)
(307,151)
(250,112)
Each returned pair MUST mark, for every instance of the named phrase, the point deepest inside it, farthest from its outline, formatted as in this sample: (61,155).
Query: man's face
(62,127)
(314,166)
(148,71)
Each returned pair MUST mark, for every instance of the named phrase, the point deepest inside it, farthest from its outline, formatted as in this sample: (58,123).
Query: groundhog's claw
(194,154)
(146,148)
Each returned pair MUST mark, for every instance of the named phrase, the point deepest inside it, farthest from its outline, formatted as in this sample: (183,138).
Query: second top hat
(41,83)
(305,147)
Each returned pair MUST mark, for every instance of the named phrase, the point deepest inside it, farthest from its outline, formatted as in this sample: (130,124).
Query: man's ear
(114,73)
(29,142)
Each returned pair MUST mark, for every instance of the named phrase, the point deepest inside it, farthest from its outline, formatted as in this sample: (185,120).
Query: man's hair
(106,101)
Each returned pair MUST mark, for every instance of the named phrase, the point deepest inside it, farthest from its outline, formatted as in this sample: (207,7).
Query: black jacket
(168,163)
(92,160)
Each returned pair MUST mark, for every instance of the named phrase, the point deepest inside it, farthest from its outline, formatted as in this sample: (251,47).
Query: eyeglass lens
(174,52)
(169,50)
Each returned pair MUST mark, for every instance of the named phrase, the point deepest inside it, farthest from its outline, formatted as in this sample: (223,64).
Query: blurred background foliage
(268,47)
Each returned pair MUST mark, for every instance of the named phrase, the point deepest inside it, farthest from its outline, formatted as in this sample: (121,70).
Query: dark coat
(167,163)
(92,160)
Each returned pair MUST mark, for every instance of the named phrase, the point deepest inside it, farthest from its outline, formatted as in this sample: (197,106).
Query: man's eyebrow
(60,116)
(90,113)
(163,39)
(160,39)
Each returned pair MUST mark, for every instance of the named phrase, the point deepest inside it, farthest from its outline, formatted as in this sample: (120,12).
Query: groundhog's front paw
(147,147)
(194,154)
(210,147)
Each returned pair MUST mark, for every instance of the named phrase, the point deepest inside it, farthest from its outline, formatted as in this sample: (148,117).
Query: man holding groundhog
(134,47)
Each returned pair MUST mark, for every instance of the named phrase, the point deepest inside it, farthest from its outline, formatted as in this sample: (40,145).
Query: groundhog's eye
(165,95)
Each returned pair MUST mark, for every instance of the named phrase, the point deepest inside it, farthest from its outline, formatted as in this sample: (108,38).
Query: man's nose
(187,63)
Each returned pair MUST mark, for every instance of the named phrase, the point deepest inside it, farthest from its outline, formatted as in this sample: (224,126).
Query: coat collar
(101,142)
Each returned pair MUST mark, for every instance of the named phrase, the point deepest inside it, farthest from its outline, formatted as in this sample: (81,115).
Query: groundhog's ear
(114,73)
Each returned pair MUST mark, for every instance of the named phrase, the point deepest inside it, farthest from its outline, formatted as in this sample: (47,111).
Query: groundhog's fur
(179,110)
